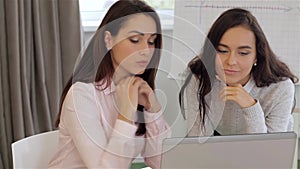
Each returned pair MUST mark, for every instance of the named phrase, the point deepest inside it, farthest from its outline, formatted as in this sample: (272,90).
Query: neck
(119,75)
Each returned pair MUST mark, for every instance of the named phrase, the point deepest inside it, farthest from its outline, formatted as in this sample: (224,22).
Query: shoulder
(82,98)
(81,89)
(283,85)
(192,84)
(279,89)
(79,100)
(82,86)
(194,80)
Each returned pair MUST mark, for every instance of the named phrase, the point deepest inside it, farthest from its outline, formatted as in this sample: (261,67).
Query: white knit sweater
(271,113)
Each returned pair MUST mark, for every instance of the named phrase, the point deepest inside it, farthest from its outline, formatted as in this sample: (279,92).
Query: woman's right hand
(237,94)
(127,97)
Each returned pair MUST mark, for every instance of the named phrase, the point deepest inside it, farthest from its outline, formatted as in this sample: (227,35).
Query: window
(161,4)
(92,12)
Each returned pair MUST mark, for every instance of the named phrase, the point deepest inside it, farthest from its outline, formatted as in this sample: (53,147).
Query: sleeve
(255,120)
(281,111)
(277,115)
(81,118)
(157,130)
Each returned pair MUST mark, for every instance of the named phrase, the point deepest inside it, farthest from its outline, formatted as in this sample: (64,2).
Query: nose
(231,59)
(145,49)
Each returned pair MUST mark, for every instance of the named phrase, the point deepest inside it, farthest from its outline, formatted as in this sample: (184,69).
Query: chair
(34,151)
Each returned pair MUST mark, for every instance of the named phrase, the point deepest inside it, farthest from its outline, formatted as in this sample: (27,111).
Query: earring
(254,64)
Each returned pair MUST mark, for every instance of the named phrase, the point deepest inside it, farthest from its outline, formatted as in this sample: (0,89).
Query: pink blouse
(91,136)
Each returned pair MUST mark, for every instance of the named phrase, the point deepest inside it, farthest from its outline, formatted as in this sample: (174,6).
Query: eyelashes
(135,41)
(242,53)
(222,51)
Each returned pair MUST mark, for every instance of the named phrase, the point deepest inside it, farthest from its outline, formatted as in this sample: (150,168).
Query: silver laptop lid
(253,151)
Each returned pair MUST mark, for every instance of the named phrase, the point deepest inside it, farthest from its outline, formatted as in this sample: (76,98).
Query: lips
(230,71)
(142,63)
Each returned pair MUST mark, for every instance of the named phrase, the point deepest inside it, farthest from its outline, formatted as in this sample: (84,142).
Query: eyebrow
(240,47)
(140,33)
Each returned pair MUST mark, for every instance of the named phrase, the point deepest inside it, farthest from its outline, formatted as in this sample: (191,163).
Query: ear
(108,40)
(255,62)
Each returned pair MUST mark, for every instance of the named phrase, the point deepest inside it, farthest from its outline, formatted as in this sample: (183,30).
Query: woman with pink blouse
(109,112)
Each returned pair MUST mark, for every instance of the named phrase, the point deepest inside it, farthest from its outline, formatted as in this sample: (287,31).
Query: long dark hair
(269,68)
(96,64)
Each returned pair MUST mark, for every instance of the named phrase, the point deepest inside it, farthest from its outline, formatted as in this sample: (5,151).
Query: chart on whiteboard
(280,21)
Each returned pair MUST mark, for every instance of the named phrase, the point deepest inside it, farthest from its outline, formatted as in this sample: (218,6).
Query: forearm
(254,119)
(121,148)
(157,130)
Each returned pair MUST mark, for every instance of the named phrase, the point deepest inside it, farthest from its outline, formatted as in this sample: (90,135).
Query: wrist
(253,102)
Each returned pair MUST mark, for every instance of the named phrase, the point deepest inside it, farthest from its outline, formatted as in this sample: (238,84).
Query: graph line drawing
(271,8)
(204,5)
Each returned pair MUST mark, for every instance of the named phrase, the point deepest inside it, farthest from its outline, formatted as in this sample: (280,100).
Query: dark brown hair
(269,68)
(96,64)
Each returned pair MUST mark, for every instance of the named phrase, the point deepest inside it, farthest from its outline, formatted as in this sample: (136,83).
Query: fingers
(127,96)
(137,82)
(233,92)
(144,91)
(130,85)
(130,81)
(228,92)
(144,88)
(139,92)
(237,94)
(148,98)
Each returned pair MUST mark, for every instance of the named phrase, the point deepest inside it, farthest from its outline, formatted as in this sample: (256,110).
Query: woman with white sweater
(237,85)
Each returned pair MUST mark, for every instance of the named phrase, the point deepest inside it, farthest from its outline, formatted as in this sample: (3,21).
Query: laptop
(251,151)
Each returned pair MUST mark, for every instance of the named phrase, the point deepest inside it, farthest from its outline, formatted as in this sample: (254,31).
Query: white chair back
(35,151)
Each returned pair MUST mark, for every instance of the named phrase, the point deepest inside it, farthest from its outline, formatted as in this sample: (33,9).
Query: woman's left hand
(237,94)
(147,98)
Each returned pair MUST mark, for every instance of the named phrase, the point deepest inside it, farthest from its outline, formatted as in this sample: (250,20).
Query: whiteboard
(280,21)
